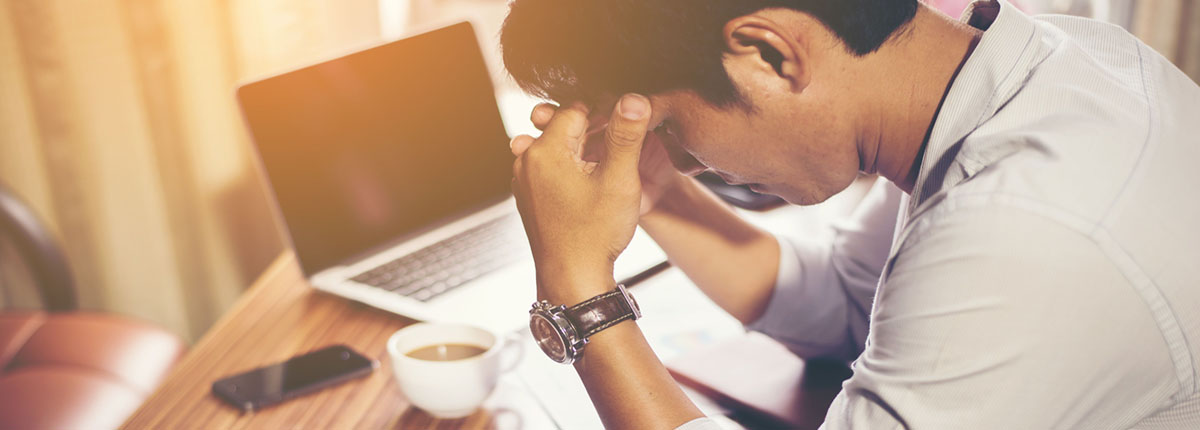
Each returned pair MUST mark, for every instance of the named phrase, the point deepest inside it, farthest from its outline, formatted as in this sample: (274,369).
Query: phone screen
(297,376)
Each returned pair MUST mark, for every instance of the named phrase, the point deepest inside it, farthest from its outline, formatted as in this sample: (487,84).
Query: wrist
(674,194)
(681,197)
(568,285)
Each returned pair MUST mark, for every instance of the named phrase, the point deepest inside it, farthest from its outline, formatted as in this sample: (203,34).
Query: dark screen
(273,382)
(370,147)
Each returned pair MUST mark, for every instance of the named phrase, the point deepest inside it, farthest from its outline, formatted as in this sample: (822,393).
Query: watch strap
(600,312)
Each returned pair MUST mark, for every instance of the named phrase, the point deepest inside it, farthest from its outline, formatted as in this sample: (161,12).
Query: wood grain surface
(281,316)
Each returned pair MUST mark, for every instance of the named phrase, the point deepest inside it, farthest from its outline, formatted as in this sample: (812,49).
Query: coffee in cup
(446,352)
(449,369)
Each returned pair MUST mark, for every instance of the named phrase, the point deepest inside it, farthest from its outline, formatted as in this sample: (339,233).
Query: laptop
(391,172)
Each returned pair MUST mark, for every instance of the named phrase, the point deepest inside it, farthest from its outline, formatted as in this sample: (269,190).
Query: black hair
(569,50)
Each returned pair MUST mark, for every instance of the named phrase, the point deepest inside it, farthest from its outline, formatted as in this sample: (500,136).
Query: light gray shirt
(1045,272)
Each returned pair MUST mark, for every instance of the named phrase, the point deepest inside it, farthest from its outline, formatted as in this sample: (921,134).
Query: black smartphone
(300,375)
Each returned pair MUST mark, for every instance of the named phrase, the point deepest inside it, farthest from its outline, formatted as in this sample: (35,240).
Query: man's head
(756,90)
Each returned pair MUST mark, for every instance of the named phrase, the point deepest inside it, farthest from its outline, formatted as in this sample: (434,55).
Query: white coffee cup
(450,389)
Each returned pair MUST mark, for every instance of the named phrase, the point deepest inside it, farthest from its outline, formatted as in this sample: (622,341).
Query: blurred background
(118,126)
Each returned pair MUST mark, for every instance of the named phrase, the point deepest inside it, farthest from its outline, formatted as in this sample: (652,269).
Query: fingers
(564,134)
(624,136)
(568,122)
(542,113)
(520,143)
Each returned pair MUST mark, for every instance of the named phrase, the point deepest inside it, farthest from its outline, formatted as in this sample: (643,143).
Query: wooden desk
(281,316)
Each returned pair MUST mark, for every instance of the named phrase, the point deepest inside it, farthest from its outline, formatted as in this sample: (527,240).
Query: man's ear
(757,45)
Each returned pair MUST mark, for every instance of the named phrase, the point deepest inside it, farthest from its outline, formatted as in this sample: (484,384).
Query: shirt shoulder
(1102,139)
(993,308)
(1096,109)
(1081,112)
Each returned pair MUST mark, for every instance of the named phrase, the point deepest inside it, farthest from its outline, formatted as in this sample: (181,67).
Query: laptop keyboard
(448,264)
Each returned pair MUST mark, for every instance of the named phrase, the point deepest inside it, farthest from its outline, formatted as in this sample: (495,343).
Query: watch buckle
(633,306)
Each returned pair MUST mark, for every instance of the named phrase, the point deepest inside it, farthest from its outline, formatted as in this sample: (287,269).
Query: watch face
(547,338)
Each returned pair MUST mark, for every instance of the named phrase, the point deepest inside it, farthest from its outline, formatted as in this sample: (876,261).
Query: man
(1039,269)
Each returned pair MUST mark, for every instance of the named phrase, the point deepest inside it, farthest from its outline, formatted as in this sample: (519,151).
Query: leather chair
(62,368)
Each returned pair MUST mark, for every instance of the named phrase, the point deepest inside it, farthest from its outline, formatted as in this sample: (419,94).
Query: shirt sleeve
(702,423)
(823,291)
(1004,319)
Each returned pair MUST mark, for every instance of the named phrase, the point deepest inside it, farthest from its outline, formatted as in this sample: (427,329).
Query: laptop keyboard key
(439,268)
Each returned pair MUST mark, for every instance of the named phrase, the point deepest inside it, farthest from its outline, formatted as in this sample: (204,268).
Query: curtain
(118,124)
(1172,27)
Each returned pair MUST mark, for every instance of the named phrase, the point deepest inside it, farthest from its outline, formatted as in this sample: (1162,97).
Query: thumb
(626,131)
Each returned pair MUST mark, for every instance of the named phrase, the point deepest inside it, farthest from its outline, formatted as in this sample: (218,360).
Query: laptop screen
(376,145)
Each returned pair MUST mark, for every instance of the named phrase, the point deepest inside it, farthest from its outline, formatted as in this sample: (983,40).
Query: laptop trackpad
(499,301)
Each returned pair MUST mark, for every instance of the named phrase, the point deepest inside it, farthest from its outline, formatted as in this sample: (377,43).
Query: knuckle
(574,115)
(515,144)
(536,155)
(577,106)
(625,135)
(544,110)
(574,119)
(533,153)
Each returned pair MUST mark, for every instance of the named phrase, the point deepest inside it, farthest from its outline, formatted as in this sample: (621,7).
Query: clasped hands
(580,203)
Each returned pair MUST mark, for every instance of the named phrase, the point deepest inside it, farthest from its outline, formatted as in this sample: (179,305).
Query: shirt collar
(990,76)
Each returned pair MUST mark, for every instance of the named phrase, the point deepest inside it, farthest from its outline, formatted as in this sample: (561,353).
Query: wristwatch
(562,332)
